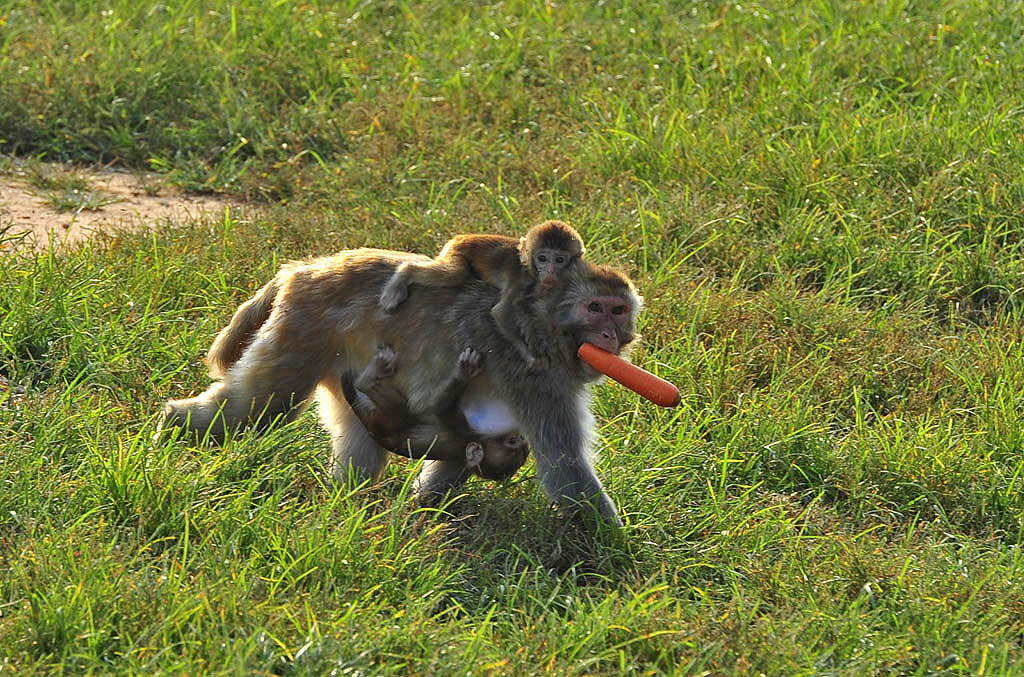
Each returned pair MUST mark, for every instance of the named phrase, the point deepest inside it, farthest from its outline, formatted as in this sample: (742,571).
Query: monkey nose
(606,340)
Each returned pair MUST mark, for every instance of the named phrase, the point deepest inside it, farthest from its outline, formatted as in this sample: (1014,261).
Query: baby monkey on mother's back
(530,267)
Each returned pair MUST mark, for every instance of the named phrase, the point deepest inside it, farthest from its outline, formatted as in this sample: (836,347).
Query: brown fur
(324,326)
(441,435)
(521,269)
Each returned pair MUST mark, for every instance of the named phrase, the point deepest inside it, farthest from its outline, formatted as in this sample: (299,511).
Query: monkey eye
(618,310)
(559,260)
(594,307)
(542,258)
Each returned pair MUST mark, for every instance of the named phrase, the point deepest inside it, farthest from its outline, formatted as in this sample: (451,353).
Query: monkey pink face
(607,320)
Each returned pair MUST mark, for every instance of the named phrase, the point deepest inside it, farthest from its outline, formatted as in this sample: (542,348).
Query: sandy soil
(24,209)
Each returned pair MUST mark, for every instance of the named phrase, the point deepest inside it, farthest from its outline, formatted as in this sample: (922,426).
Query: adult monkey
(318,324)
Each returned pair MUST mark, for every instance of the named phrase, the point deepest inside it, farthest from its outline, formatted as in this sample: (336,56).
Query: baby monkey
(445,435)
(531,267)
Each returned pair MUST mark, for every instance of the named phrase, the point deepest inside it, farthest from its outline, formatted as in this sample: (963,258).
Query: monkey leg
(199,417)
(450,273)
(215,412)
(573,485)
(273,379)
(438,479)
(561,441)
(355,456)
(446,407)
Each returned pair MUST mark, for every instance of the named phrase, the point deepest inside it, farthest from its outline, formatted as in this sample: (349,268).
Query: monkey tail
(233,339)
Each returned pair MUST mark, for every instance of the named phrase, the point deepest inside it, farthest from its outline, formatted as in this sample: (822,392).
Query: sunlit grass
(821,203)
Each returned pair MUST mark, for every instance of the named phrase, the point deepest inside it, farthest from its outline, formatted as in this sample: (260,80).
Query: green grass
(821,201)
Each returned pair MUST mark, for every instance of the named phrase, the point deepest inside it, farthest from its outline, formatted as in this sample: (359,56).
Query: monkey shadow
(505,531)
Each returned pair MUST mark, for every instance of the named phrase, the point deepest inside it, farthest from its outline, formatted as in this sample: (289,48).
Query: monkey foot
(393,295)
(385,361)
(469,362)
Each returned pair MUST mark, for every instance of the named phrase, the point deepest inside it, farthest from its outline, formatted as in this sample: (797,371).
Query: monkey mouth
(548,285)
(604,342)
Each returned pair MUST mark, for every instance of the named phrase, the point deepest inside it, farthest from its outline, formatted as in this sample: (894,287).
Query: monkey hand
(474,455)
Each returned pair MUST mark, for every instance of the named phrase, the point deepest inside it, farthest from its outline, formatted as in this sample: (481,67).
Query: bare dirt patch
(65,205)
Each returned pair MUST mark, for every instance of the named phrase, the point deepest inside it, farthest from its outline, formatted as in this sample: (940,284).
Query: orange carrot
(641,381)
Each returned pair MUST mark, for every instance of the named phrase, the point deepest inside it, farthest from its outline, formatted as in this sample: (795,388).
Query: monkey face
(503,455)
(548,249)
(607,322)
(598,305)
(549,264)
